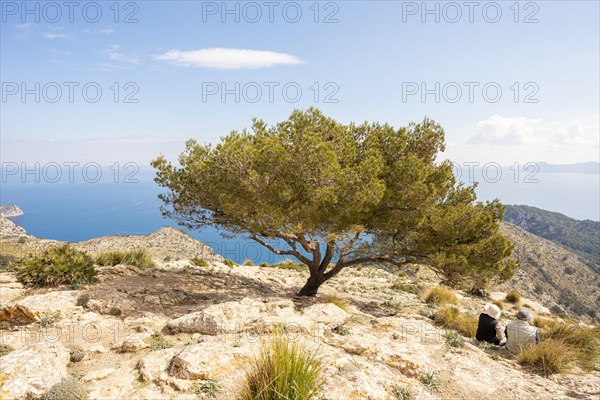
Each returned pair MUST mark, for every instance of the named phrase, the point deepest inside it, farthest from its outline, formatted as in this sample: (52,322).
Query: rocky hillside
(10,211)
(581,237)
(186,332)
(553,274)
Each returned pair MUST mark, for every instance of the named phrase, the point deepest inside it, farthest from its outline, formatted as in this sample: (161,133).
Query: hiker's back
(519,335)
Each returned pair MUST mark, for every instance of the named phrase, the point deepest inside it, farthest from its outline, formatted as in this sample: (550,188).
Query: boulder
(207,360)
(31,371)
(327,314)
(59,304)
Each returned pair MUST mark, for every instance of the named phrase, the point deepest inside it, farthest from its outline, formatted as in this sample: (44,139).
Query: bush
(158,342)
(454,339)
(57,266)
(283,370)
(248,263)
(499,304)
(138,258)
(198,262)
(68,388)
(228,262)
(440,295)
(407,287)
(513,297)
(451,318)
(401,392)
(289,264)
(264,264)
(431,381)
(585,342)
(570,270)
(548,357)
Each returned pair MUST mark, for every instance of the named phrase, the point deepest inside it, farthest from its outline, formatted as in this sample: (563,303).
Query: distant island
(10,211)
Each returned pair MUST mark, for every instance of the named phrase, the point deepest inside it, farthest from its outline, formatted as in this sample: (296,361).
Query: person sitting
(489,328)
(520,334)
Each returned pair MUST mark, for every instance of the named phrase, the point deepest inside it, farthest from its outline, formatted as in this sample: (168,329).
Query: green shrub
(401,392)
(454,339)
(208,388)
(198,262)
(431,381)
(158,342)
(248,263)
(137,258)
(57,266)
(228,262)
(48,318)
(68,388)
(513,297)
(264,264)
(283,370)
(407,287)
(5,349)
(289,264)
(440,295)
(342,330)
(451,318)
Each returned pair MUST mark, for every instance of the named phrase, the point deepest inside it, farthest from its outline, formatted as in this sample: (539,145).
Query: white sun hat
(492,310)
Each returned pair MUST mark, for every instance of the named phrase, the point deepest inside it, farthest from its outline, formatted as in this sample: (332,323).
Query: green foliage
(440,295)
(115,311)
(68,388)
(450,317)
(57,266)
(137,258)
(198,262)
(284,370)
(401,392)
(321,188)
(431,381)
(229,263)
(582,237)
(408,287)
(48,318)
(513,297)
(158,342)
(209,388)
(454,339)
(264,264)
(342,330)
(248,263)
(5,349)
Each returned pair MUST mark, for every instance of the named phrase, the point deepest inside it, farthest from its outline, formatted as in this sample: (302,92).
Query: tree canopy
(322,188)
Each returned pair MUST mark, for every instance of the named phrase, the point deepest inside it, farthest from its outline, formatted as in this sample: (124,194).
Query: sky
(511,82)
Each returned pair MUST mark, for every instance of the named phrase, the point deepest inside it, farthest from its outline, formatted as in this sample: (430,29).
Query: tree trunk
(311,287)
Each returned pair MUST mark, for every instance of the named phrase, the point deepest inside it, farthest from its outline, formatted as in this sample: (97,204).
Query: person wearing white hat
(489,328)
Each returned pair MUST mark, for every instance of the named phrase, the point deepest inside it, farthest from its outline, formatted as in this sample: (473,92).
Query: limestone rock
(327,314)
(32,370)
(59,304)
(207,360)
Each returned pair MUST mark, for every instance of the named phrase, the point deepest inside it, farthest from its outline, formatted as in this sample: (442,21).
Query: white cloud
(24,30)
(578,132)
(52,36)
(114,54)
(506,131)
(220,58)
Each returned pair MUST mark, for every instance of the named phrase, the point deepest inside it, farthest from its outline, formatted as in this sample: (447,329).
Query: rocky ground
(179,331)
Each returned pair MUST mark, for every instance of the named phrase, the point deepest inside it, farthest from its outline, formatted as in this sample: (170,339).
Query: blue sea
(79,211)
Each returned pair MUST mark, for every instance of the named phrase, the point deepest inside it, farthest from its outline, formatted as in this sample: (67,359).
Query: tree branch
(294,252)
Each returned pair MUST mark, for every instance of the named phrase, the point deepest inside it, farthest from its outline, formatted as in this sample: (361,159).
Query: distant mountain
(553,275)
(578,168)
(581,237)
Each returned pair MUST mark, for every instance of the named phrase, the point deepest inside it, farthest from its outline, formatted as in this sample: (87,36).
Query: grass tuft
(548,357)
(440,295)
(283,370)
(513,297)
(137,258)
(338,301)
(198,262)
(454,339)
(450,317)
(431,381)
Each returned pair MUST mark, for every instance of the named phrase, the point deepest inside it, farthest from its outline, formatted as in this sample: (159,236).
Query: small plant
(450,317)
(61,265)
(68,388)
(48,318)
(584,342)
(114,311)
(208,388)
(570,270)
(338,301)
(495,357)
(248,262)
(289,264)
(5,349)
(407,287)
(513,297)
(76,354)
(198,262)
(454,339)
(138,258)
(283,370)
(431,381)
(342,330)
(499,303)
(401,392)
(228,262)
(167,259)
(157,341)
(264,264)
(440,295)
(485,345)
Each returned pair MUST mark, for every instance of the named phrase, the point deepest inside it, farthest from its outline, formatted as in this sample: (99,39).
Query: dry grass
(137,258)
(549,357)
(338,301)
(583,340)
(440,295)
(499,303)
(513,297)
(451,318)
(284,370)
